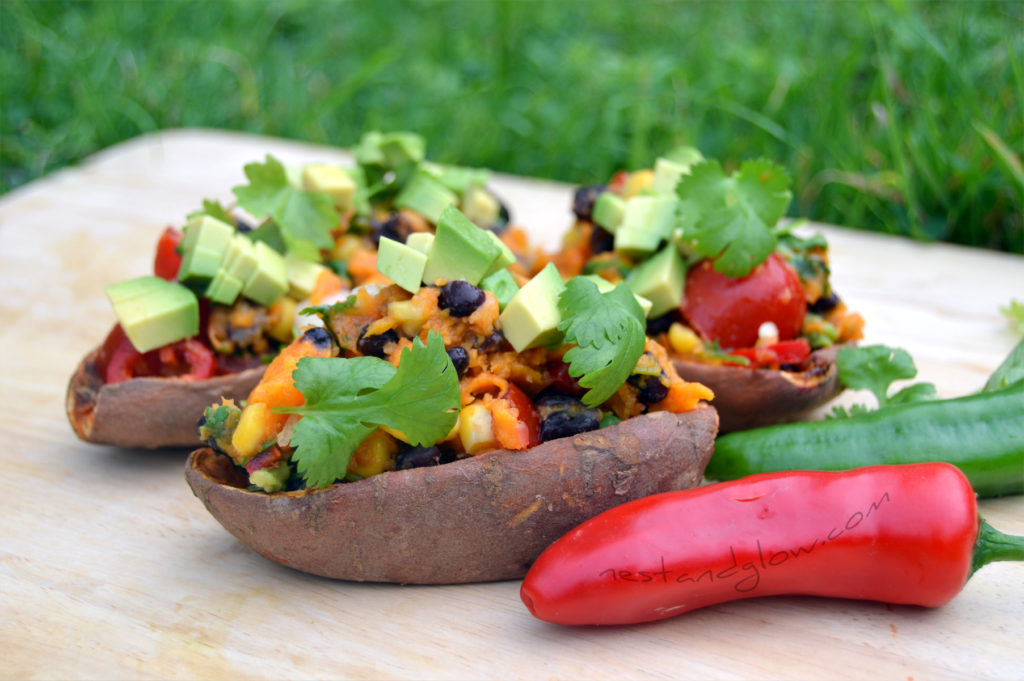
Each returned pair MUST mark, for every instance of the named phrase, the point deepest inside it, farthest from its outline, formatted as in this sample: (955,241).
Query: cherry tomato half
(730,310)
(167,261)
(188,359)
(529,421)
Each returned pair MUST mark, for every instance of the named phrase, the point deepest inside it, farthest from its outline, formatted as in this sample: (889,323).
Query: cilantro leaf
(1010,371)
(1014,312)
(304,218)
(875,368)
(730,218)
(346,399)
(214,209)
(609,334)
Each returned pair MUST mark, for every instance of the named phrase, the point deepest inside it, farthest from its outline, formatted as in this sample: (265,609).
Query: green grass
(903,117)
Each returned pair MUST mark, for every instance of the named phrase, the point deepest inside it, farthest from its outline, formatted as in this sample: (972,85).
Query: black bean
(601,240)
(650,389)
(319,337)
(496,342)
(562,415)
(418,457)
(659,325)
(460,358)
(824,304)
(395,227)
(374,345)
(460,298)
(504,217)
(584,198)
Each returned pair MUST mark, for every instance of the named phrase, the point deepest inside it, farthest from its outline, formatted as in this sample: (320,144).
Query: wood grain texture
(111,568)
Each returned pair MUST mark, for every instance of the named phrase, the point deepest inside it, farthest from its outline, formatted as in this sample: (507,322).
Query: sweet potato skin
(146,412)
(751,398)
(484,518)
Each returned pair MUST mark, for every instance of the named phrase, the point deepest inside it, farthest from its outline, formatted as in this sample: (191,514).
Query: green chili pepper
(981,434)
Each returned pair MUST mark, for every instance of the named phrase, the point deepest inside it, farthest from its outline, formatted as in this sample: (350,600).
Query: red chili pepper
(898,534)
(167,261)
(794,351)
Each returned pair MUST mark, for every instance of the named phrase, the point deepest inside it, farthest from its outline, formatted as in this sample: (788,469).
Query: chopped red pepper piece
(784,352)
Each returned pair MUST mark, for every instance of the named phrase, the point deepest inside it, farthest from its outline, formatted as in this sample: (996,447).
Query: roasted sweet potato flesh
(146,412)
(751,398)
(482,518)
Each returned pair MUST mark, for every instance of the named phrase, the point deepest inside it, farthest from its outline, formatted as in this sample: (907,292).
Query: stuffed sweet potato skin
(146,412)
(751,398)
(483,518)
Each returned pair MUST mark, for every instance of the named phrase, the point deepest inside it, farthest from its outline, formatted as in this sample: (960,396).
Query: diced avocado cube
(203,246)
(270,279)
(461,250)
(609,210)
(505,255)
(604,286)
(661,280)
(667,174)
(400,148)
(302,275)
(224,288)
(241,262)
(426,195)
(368,152)
(646,222)
(401,264)
(162,312)
(421,241)
(459,179)
(480,206)
(331,180)
(531,317)
(502,284)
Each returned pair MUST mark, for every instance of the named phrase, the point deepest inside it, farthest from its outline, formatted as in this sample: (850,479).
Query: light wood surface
(110,568)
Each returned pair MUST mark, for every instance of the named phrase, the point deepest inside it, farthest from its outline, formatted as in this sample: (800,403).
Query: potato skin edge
(752,398)
(148,413)
(484,518)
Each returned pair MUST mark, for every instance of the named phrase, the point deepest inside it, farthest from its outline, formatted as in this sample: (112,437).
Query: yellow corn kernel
(476,430)
(345,246)
(282,319)
(252,431)
(374,455)
(683,340)
(409,316)
(638,181)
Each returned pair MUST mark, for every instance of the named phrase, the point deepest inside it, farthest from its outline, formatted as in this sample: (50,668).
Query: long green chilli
(981,434)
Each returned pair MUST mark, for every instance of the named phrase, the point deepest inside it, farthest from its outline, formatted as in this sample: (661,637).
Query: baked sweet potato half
(147,412)
(751,398)
(481,518)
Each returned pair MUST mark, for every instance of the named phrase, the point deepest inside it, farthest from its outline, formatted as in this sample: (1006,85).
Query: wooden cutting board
(110,568)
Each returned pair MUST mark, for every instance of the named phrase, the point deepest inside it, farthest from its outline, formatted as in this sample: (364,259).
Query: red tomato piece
(529,420)
(561,380)
(124,361)
(784,352)
(188,359)
(730,310)
(167,261)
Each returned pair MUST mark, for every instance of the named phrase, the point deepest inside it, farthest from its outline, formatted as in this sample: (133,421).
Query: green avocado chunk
(401,264)
(426,195)
(647,221)
(461,250)
(302,275)
(269,281)
(502,284)
(203,248)
(531,317)
(661,280)
(154,312)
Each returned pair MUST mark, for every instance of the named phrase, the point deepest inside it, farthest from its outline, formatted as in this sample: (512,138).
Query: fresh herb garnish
(731,218)
(305,219)
(608,331)
(214,209)
(346,399)
(875,368)
(1014,312)
(1009,372)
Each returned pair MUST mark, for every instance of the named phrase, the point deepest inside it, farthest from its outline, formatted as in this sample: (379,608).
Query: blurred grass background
(903,117)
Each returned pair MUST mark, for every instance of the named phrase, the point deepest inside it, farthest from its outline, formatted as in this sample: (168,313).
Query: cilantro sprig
(346,399)
(875,368)
(731,218)
(609,334)
(305,219)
